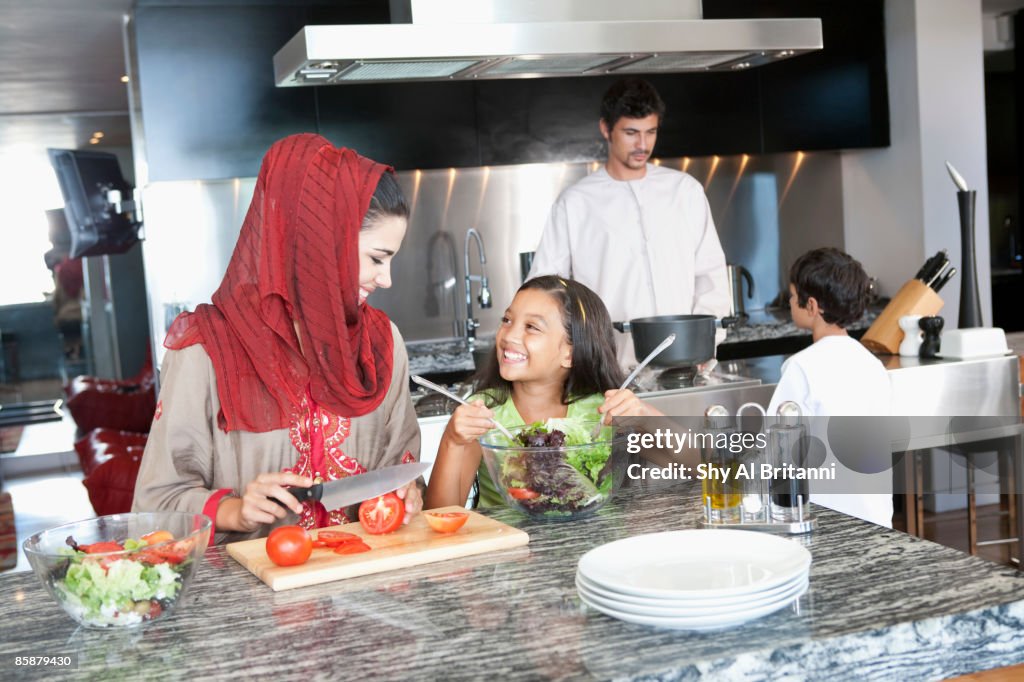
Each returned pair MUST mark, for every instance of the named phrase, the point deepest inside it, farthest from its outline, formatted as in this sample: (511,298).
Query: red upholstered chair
(99,445)
(121,405)
(111,484)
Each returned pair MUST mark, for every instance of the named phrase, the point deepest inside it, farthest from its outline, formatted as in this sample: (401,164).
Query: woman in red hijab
(289,376)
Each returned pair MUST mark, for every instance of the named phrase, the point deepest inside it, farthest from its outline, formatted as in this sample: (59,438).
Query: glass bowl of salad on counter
(121,570)
(556,469)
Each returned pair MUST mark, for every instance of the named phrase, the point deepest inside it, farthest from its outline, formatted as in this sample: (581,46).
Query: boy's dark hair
(836,280)
(589,328)
(387,200)
(632,97)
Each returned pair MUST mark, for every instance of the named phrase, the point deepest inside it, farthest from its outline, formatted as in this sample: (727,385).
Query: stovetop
(673,380)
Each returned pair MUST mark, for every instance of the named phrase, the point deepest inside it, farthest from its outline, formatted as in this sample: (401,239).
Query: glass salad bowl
(556,470)
(121,570)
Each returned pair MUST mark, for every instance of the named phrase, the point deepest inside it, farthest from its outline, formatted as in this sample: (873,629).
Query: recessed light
(98,134)
(94,141)
(124,79)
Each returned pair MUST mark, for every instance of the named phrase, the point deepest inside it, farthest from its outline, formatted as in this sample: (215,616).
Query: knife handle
(312,493)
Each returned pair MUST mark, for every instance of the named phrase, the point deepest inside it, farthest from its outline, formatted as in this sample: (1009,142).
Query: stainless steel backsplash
(768,210)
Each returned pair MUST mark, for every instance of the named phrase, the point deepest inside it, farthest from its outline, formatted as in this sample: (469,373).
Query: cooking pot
(695,337)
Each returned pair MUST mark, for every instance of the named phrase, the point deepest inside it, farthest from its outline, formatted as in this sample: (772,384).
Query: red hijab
(297,257)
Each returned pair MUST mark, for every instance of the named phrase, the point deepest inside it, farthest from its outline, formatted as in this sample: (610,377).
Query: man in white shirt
(638,234)
(837,376)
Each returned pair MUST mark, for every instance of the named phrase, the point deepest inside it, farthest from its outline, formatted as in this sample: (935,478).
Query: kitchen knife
(945,278)
(928,264)
(939,263)
(353,489)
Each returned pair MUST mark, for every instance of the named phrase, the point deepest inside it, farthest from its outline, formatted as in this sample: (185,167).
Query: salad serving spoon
(669,340)
(426,383)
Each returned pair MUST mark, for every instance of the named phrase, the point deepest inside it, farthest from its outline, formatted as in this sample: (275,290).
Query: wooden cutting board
(410,545)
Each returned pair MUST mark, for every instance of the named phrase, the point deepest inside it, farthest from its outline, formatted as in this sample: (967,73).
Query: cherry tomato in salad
(523,493)
(446,522)
(382,514)
(289,545)
(157,536)
(101,547)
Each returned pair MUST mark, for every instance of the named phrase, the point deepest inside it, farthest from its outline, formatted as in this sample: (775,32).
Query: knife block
(914,298)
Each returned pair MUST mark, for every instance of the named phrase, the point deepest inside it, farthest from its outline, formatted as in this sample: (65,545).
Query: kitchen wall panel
(758,203)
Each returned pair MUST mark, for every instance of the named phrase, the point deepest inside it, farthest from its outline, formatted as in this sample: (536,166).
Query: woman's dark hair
(631,97)
(387,200)
(836,281)
(589,328)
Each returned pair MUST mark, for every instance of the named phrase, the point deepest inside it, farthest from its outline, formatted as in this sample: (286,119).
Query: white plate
(662,602)
(697,623)
(695,563)
(674,610)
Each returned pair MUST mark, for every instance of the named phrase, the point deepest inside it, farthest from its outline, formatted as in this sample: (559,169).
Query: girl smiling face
(531,343)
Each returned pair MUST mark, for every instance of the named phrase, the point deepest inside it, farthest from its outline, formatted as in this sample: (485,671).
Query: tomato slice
(157,536)
(334,538)
(382,514)
(352,548)
(446,522)
(523,493)
(101,547)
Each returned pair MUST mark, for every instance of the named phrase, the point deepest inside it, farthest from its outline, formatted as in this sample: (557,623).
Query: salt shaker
(911,344)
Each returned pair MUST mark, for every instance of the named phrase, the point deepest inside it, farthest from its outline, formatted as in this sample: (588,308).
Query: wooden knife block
(914,298)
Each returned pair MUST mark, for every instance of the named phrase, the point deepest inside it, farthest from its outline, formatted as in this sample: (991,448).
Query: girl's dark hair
(387,200)
(836,280)
(632,97)
(589,328)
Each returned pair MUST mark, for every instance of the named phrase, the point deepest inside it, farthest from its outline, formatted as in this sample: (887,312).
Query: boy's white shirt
(837,376)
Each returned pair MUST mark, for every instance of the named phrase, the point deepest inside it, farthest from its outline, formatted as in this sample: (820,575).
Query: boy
(836,375)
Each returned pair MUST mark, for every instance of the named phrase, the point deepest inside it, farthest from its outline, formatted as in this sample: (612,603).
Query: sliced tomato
(289,545)
(101,547)
(157,536)
(382,514)
(352,548)
(446,522)
(333,538)
(523,493)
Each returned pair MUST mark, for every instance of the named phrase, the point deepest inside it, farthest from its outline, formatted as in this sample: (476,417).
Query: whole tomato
(289,545)
(382,514)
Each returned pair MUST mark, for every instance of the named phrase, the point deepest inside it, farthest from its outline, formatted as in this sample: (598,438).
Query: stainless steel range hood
(443,40)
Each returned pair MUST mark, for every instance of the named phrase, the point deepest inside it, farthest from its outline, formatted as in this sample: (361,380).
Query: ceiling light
(98,134)
(124,79)
(94,141)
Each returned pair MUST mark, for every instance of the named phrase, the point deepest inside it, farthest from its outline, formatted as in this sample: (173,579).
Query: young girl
(554,357)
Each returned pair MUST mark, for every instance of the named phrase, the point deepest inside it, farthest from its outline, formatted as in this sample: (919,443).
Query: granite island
(881,605)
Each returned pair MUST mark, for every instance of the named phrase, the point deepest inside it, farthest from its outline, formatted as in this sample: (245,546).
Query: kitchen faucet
(447,284)
(484,298)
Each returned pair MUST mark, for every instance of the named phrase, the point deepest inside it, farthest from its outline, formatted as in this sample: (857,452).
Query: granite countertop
(777,324)
(881,605)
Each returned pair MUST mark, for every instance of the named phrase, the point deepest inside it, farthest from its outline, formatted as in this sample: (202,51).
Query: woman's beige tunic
(188,456)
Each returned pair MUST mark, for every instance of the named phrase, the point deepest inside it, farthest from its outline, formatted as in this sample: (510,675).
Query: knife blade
(940,263)
(353,489)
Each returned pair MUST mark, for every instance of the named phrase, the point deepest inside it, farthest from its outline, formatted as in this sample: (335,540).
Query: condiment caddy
(735,493)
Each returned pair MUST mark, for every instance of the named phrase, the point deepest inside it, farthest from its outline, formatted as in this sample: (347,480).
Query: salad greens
(550,477)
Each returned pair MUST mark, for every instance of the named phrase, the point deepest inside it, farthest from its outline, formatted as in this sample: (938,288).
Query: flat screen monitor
(85,178)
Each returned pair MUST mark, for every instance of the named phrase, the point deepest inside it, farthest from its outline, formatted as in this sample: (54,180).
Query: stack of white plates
(693,579)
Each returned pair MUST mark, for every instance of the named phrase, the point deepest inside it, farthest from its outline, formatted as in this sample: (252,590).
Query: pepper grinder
(932,328)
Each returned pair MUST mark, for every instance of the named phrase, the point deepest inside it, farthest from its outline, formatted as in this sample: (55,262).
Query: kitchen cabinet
(833,99)
(210,109)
